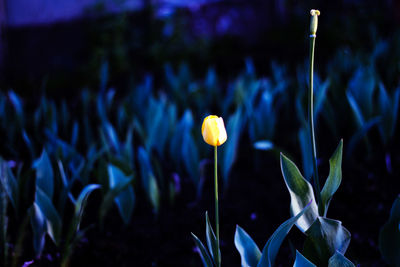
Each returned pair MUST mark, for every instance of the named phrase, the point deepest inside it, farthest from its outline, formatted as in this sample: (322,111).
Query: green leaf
(125,200)
(324,238)
(333,181)
(301,261)
(275,241)
(44,174)
(212,243)
(53,220)
(389,236)
(301,194)
(81,201)
(338,260)
(205,257)
(248,250)
(38,224)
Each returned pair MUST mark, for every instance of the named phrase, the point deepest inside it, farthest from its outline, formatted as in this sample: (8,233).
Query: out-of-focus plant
(48,218)
(389,237)
(372,105)
(214,134)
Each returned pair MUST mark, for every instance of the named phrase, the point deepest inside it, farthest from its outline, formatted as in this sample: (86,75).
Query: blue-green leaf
(126,198)
(274,242)
(44,174)
(248,250)
(38,224)
(53,220)
(301,194)
(205,257)
(148,179)
(301,261)
(17,104)
(324,238)
(339,260)
(389,237)
(356,109)
(212,243)
(230,147)
(9,184)
(333,181)
(81,201)
(110,196)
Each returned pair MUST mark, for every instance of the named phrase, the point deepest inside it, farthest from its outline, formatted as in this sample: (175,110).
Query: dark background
(59,58)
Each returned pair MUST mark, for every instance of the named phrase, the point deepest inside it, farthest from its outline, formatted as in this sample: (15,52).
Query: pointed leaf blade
(125,200)
(205,257)
(272,247)
(212,242)
(301,194)
(44,174)
(335,177)
(249,252)
(51,215)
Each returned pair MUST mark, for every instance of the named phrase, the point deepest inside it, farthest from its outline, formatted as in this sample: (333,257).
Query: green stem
(216,202)
(311,120)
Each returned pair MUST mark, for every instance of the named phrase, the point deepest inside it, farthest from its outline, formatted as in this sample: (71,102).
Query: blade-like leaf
(356,109)
(234,126)
(212,242)
(44,174)
(301,193)
(272,247)
(249,251)
(324,238)
(205,257)
(38,223)
(110,197)
(126,198)
(389,237)
(81,201)
(333,181)
(301,261)
(53,220)
(148,179)
(339,260)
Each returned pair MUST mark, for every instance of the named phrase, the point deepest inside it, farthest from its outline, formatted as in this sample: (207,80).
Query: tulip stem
(311,120)
(218,259)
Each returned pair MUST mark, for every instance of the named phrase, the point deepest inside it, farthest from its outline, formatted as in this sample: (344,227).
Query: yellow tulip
(213,130)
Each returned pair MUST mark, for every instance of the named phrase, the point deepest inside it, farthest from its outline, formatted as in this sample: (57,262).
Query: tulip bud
(213,130)
(314,22)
